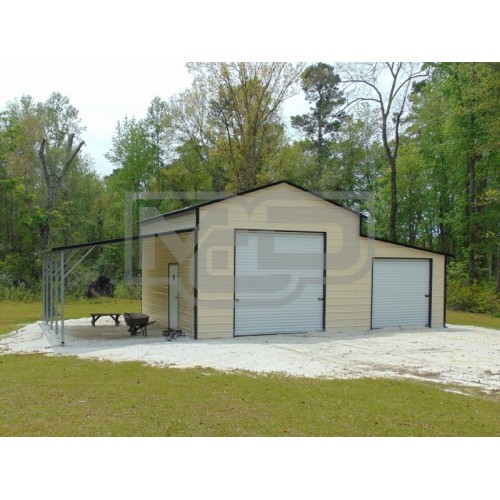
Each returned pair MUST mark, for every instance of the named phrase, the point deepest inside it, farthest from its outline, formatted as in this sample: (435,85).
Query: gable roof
(300,188)
(242,193)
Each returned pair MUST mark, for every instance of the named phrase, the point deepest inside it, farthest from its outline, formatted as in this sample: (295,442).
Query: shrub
(478,298)
(124,291)
(19,293)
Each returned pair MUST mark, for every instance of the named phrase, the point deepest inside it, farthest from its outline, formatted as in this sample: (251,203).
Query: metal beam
(62,297)
(80,260)
(56,292)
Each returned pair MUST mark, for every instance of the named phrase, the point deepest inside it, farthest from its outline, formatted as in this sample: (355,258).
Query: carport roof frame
(117,240)
(53,274)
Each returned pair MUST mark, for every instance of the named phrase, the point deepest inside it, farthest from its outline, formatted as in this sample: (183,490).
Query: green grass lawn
(66,396)
(14,314)
(472,319)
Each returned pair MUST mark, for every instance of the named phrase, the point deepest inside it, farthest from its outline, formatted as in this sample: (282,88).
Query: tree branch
(359,99)
(43,160)
(69,160)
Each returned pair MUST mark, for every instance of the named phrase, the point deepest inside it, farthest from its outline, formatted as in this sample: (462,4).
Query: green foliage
(475,298)
(456,130)
(226,133)
(320,84)
(480,297)
(134,156)
(125,291)
(243,122)
(357,163)
(18,293)
(43,179)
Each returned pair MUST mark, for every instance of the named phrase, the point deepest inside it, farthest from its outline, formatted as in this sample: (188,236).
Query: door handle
(427,295)
(321,298)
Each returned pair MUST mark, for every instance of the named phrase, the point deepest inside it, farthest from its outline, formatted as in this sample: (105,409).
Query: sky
(112,62)
(103,93)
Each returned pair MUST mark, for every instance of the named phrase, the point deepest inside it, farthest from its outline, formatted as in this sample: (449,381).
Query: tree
(134,156)
(44,155)
(244,106)
(157,125)
(356,161)
(458,128)
(185,175)
(54,173)
(388,86)
(9,133)
(190,121)
(321,86)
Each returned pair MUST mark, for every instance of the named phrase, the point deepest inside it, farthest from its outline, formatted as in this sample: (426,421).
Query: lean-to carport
(57,265)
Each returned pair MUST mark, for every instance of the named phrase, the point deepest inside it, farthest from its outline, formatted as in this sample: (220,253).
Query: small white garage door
(279,280)
(401,292)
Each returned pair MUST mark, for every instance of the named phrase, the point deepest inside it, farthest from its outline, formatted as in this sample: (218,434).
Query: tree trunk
(394,201)
(391,158)
(442,231)
(45,236)
(53,181)
(472,205)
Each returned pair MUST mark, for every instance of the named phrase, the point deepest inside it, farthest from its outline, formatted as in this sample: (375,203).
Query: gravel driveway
(463,355)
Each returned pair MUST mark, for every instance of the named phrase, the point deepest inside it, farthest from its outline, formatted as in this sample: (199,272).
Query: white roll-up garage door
(279,280)
(401,292)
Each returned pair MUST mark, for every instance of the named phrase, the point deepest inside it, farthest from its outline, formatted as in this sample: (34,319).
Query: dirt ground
(462,355)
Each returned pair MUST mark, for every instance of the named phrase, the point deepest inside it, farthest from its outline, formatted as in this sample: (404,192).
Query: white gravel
(463,355)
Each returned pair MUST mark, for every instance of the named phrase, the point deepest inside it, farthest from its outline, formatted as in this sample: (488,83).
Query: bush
(19,293)
(124,291)
(478,298)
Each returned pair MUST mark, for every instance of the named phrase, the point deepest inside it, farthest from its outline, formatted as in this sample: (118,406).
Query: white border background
(150,32)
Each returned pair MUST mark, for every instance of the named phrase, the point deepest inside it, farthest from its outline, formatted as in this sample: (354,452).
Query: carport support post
(51,291)
(56,298)
(46,288)
(44,296)
(62,297)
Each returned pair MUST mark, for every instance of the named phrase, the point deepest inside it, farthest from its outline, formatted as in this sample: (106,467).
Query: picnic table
(96,316)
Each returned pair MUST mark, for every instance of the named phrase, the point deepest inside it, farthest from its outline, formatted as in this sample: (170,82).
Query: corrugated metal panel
(400,292)
(278,282)
(157,254)
(174,223)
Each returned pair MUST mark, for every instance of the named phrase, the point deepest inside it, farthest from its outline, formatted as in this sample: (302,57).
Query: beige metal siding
(171,223)
(285,208)
(279,208)
(383,249)
(349,285)
(157,254)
